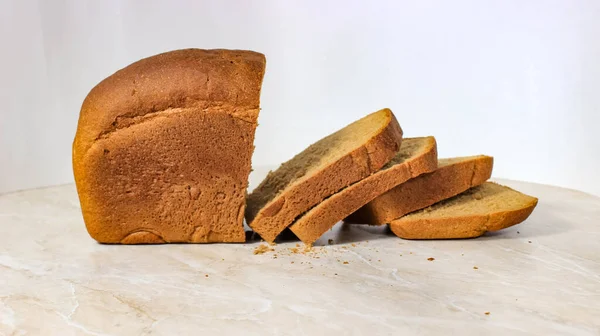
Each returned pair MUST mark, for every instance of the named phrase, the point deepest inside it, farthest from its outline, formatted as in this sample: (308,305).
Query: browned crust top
(176,79)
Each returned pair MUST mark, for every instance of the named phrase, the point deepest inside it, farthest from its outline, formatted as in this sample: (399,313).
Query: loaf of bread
(416,156)
(325,167)
(488,207)
(452,177)
(163,148)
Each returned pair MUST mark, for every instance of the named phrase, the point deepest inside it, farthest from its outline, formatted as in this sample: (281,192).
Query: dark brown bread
(416,156)
(488,207)
(452,177)
(163,148)
(332,163)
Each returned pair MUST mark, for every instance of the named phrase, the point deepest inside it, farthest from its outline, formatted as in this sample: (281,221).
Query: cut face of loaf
(452,177)
(488,207)
(332,163)
(416,156)
(163,148)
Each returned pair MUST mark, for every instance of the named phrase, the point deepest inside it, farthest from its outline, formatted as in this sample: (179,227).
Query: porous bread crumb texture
(163,148)
(325,167)
(453,176)
(416,156)
(488,207)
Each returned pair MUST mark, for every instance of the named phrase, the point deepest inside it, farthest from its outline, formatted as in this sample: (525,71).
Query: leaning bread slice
(488,207)
(332,163)
(452,177)
(416,156)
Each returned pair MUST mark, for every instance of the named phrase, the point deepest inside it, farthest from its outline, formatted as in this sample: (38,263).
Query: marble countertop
(540,277)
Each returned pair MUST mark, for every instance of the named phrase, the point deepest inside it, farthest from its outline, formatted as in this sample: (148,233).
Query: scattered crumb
(297,245)
(294,249)
(475,267)
(222,259)
(206,275)
(291,262)
(308,248)
(346,263)
(431,259)
(409,252)
(529,241)
(379,260)
(518,232)
(462,254)
(353,245)
(401,255)
(344,247)
(263,248)
(329,241)
(272,243)
(487,313)
(335,273)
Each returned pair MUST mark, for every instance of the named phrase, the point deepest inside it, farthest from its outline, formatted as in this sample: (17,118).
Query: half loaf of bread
(332,163)
(488,207)
(163,148)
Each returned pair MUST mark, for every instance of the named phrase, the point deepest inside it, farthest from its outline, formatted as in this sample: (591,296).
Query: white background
(519,80)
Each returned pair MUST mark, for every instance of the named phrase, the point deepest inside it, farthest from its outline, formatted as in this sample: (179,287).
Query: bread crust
(163,148)
(271,219)
(420,192)
(460,227)
(312,224)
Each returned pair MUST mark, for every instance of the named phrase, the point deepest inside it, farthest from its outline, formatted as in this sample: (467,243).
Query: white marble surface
(541,277)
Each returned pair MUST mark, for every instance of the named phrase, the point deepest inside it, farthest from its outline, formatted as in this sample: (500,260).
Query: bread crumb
(222,259)
(335,273)
(297,245)
(272,244)
(409,252)
(329,241)
(379,260)
(346,263)
(293,249)
(518,232)
(529,241)
(206,275)
(353,245)
(487,313)
(291,262)
(431,259)
(308,248)
(475,267)
(263,248)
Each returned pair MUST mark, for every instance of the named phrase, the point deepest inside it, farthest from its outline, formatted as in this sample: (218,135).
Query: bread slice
(163,148)
(416,156)
(452,177)
(488,207)
(332,163)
